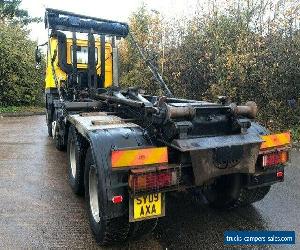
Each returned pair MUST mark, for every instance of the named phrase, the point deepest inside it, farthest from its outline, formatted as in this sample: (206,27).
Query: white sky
(111,9)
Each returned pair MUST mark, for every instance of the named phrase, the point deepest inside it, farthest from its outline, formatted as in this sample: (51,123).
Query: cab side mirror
(38,55)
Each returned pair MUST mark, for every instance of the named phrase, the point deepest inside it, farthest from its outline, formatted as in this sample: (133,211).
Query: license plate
(147,207)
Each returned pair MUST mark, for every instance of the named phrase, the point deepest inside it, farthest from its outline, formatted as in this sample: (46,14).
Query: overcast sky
(110,9)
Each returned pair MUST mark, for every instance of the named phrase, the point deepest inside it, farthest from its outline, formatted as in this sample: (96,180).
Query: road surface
(39,210)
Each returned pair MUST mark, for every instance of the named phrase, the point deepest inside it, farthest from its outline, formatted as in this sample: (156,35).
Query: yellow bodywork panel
(62,76)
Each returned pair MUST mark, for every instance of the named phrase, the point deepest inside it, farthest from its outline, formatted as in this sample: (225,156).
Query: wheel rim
(53,125)
(93,194)
(72,158)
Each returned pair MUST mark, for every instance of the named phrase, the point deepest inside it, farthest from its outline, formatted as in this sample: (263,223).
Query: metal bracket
(183,128)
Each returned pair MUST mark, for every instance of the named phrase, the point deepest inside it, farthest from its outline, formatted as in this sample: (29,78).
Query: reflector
(117,199)
(279,174)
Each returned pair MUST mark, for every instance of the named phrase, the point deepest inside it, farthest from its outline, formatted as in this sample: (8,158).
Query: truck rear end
(211,150)
(204,153)
(127,150)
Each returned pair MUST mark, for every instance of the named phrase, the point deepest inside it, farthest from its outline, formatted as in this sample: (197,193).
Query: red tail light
(275,158)
(153,180)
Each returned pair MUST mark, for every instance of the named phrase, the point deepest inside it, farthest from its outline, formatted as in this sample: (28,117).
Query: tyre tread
(249,196)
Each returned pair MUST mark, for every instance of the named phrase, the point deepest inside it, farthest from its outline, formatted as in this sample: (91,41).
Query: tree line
(20,83)
(246,50)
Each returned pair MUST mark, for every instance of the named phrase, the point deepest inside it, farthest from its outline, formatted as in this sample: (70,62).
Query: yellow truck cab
(62,57)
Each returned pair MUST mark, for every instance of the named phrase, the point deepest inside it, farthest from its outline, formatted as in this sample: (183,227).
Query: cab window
(82,54)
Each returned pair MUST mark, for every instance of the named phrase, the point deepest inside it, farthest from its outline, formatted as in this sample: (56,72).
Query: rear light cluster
(274,158)
(153,180)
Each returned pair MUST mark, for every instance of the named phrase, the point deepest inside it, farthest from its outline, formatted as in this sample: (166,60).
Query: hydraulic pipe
(102,37)
(68,21)
(249,109)
(125,101)
(179,112)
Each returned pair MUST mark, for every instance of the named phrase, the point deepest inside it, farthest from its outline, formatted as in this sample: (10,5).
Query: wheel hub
(93,194)
(54,128)
(72,158)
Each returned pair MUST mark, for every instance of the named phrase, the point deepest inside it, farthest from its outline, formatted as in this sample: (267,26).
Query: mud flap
(224,155)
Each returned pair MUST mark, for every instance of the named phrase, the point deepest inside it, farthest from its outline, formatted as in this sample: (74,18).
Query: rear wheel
(49,130)
(228,192)
(59,143)
(49,122)
(75,152)
(106,231)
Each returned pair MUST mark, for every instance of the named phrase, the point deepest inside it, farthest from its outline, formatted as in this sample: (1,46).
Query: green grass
(21,109)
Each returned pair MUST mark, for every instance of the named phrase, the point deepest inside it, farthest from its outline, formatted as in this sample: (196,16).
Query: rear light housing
(274,158)
(154,179)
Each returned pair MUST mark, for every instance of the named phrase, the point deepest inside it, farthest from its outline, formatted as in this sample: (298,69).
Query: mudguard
(107,134)
(102,143)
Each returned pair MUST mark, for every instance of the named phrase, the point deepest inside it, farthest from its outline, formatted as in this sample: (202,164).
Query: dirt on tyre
(106,231)
(228,192)
(75,153)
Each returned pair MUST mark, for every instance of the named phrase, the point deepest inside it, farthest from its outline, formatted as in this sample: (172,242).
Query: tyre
(106,231)
(60,142)
(49,130)
(228,192)
(49,122)
(75,153)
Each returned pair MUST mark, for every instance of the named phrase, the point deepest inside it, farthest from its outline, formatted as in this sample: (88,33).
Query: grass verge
(21,109)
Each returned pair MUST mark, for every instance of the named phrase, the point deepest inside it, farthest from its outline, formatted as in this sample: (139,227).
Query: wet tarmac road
(39,210)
